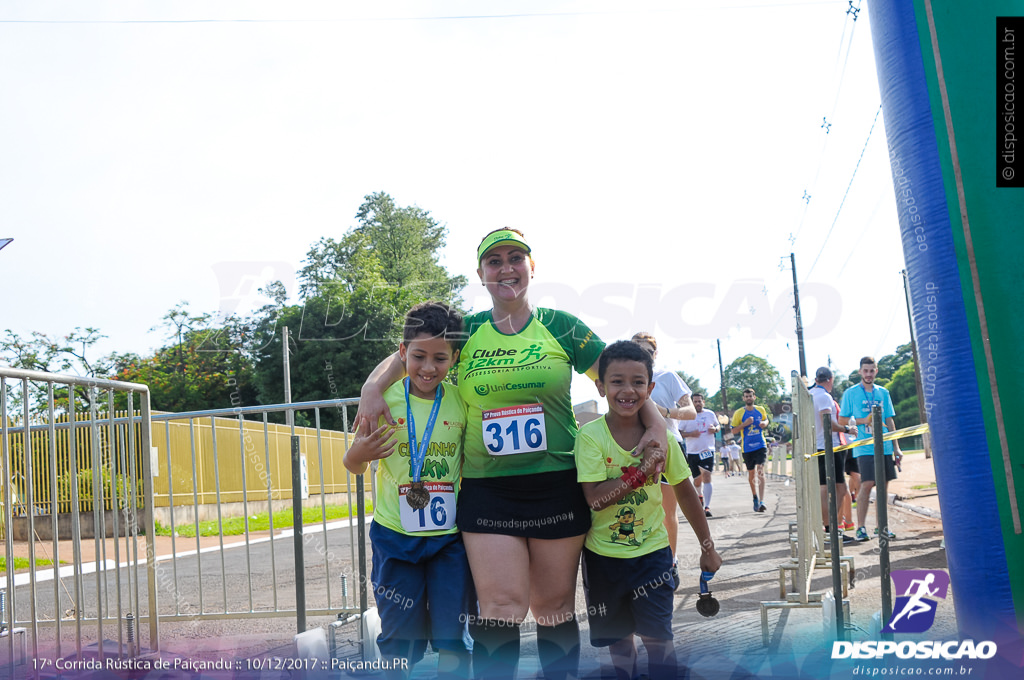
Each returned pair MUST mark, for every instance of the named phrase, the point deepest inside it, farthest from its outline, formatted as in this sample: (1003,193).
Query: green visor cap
(498,238)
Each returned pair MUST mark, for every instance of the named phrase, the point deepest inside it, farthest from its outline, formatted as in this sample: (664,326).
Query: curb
(927,512)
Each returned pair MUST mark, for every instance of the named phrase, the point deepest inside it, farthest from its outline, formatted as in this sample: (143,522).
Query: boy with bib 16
(420,574)
(627,564)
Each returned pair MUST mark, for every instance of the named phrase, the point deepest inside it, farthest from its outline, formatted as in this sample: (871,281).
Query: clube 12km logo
(914,612)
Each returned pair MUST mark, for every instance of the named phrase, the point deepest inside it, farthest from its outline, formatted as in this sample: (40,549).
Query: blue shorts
(627,596)
(422,588)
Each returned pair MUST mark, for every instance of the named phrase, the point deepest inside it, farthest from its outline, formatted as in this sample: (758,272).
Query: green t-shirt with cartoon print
(635,525)
(442,466)
(516,390)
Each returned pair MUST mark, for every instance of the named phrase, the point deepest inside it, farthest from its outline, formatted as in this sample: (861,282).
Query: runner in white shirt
(734,459)
(700,448)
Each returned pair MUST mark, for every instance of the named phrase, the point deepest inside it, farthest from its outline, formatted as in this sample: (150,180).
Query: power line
(454,17)
(860,237)
(847,193)
(852,11)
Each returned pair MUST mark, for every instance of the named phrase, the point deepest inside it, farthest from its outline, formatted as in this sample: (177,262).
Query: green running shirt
(635,525)
(441,467)
(519,384)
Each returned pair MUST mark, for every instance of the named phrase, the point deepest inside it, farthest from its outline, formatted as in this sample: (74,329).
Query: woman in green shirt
(521,511)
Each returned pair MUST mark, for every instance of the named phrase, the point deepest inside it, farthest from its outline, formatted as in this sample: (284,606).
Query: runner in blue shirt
(856,410)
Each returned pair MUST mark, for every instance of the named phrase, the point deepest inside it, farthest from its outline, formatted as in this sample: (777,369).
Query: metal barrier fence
(269,488)
(100,596)
(250,455)
(176,439)
(806,535)
(129,579)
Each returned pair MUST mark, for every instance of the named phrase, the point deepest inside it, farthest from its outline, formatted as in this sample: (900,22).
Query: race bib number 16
(439,515)
(514,429)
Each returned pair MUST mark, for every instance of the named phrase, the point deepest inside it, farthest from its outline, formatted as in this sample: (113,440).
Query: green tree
(336,338)
(69,355)
(756,372)
(903,390)
(890,363)
(354,294)
(842,384)
(204,367)
(695,387)
(406,242)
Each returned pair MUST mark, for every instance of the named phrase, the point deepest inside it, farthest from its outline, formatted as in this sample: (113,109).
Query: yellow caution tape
(898,434)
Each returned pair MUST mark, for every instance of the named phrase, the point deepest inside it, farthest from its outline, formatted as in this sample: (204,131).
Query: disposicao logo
(914,611)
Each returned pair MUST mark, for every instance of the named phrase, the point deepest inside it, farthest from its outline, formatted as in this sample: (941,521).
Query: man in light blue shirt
(856,410)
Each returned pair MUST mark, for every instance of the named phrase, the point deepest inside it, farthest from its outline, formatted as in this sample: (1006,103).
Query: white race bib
(704,455)
(515,429)
(439,513)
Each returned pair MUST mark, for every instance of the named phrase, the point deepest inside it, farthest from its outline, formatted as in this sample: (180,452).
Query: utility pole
(799,323)
(287,376)
(917,368)
(296,461)
(721,377)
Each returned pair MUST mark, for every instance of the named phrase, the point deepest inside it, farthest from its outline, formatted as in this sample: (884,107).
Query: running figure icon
(914,604)
(914,611)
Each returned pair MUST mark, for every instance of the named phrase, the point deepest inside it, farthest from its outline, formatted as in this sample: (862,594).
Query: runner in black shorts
(751,421)
(697,464)
(754,458)
(821,394)
(700,440)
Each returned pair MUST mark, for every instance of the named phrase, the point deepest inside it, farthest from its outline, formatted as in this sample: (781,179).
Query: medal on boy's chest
(418,496)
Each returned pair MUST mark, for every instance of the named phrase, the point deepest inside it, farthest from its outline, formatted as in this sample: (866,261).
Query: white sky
(655,153)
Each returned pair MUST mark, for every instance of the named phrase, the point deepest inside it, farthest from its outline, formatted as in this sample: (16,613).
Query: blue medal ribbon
(419,454)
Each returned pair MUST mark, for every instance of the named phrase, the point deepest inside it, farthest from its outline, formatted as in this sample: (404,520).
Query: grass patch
(924,487)
(235,526)
(21,563)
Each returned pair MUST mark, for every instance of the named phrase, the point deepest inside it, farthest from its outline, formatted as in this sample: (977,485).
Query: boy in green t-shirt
(627,562)
(420,575)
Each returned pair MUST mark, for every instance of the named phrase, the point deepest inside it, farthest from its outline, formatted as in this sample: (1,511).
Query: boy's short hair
(867,360)
(624,350)
(434,319)
(698,394)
